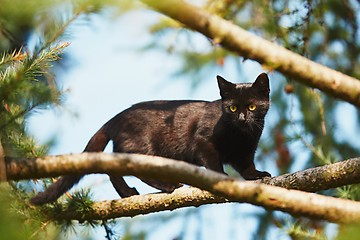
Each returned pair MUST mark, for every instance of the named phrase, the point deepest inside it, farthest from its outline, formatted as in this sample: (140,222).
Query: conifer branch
(271,55)
(270,197)
(15,56)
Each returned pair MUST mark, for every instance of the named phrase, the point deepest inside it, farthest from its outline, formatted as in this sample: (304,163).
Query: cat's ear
(224,86)
(262,83)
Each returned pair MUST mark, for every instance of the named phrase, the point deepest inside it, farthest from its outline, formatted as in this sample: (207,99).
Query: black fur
(199,132)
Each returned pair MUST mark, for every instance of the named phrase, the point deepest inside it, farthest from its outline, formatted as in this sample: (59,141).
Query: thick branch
(320,178)
(250,46)
(270,197)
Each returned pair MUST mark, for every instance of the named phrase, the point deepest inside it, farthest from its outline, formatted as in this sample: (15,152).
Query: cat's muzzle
(242,118)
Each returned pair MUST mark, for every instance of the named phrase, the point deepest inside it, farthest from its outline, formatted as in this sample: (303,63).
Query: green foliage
(23,89)
(27,85)
(26,81)
(349,231)
(17,22)
(297,232)
(18,219)
(301,228)
(11,224)
(81,201)
(351,192)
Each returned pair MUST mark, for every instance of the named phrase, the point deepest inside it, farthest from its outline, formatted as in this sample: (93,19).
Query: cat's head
(245,104)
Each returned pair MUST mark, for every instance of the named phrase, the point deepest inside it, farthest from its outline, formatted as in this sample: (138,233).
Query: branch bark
(249,46)
(222,186)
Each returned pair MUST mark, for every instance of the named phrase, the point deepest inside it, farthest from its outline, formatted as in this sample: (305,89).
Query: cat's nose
(242,117)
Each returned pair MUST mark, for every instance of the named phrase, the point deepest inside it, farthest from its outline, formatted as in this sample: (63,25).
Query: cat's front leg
(208,157)
(247,170)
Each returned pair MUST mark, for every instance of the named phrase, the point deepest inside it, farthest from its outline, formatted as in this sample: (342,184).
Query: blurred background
(82,62)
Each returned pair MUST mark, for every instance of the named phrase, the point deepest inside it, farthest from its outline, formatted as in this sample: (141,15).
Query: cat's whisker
(259,125)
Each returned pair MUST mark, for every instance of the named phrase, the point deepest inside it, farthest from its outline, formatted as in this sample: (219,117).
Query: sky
(107,73)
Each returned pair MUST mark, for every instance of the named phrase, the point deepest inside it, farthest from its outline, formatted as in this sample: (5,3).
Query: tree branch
(270,197)
(144,204)
(320,178)
(249,46)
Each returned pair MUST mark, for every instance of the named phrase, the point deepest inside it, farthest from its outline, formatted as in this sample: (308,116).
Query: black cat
(204,133)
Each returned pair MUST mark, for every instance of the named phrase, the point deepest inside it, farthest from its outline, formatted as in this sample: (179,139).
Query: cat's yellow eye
(252,107)
(233,108)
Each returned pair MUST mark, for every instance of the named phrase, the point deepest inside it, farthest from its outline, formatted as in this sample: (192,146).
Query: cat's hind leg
(121,187)
(163,186)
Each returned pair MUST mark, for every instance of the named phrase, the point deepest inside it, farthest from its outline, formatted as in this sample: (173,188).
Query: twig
(43,226)
(107,230)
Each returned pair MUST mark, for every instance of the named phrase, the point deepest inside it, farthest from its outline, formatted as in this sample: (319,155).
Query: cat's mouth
(250,126)
(243,124)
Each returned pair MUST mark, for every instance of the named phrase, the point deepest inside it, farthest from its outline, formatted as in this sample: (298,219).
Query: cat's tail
(96,144)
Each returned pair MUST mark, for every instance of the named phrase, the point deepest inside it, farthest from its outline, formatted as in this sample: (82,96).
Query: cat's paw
(127,192)
(254,175)
(262,174)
